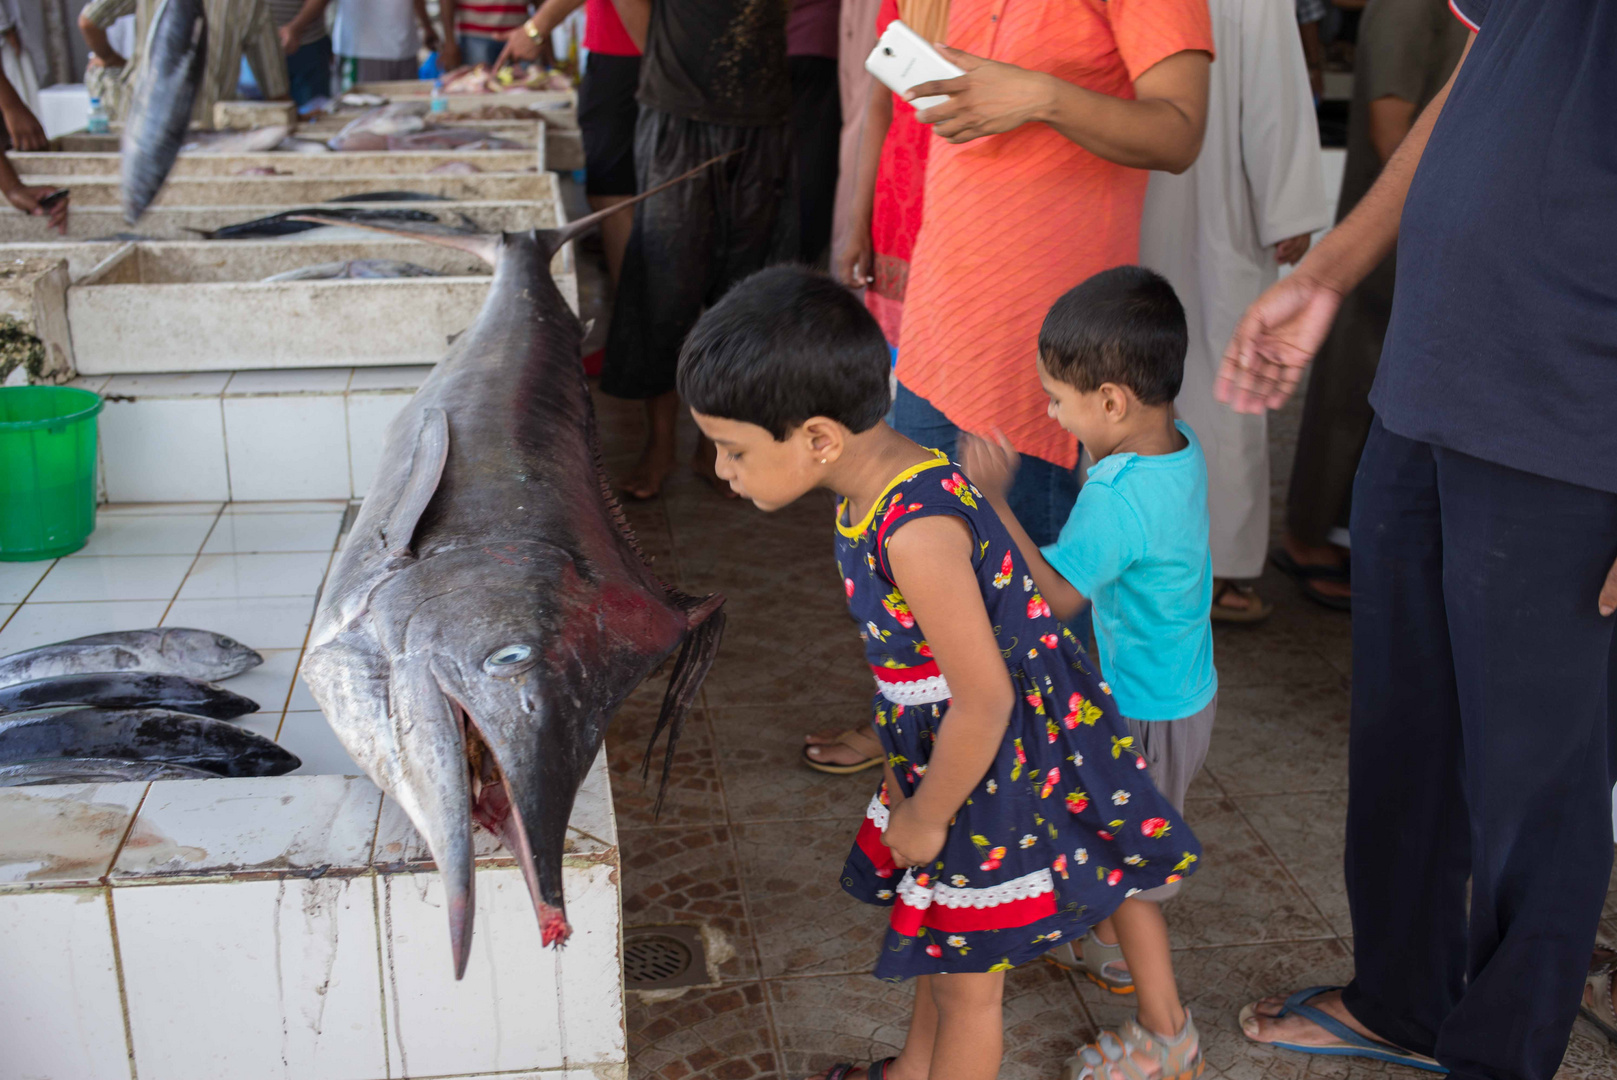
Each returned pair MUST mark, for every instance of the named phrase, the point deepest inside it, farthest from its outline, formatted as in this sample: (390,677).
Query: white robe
(1211,231)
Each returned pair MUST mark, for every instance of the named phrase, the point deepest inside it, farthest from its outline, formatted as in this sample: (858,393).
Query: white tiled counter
(289,928)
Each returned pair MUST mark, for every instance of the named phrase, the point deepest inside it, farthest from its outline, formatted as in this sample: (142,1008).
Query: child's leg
(1143,933)
(970,1025)
(914,1061)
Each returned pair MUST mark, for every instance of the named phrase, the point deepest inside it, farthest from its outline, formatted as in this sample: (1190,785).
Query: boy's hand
(913,841)
(990,465)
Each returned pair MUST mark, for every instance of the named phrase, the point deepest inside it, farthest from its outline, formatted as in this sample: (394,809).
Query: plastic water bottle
(96,123)
(440,103)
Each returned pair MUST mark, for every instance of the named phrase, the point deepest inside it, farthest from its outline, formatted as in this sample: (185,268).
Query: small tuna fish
(95,771)
(164,650)
(141,735)
(127,690)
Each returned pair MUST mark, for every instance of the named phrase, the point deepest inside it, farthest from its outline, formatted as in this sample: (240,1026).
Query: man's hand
(27,199)
(990,465)
(855,262)
(912,841)
(289,38)
(448,55)
(1290,250)
(1608,592)
(1274,342)
(990,98)
(26,132)
(519,47)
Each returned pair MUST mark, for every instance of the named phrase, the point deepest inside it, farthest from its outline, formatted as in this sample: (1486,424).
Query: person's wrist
(1046,97)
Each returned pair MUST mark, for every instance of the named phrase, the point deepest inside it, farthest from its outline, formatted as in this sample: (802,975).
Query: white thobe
(1211,232)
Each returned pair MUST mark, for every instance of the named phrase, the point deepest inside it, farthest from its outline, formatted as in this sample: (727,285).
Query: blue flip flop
(1349,1042)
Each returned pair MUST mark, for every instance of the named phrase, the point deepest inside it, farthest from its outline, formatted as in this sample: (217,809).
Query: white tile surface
(260,980)
(45,624)
(265,623)
(307,735)
(269,682)
(288,506)
(291,381)
(147,509)
(59,1004)
(437,1026)
(62,834)
(92,383)
(271,823)
(164,450)
(591,965)
(113,577)
(407,377)
(188,384)
(254,532)
(178,534)
(16,578)
(368,417)
(287,573)
(287,447)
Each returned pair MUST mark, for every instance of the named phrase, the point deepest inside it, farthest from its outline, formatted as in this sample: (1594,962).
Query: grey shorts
(1174,753)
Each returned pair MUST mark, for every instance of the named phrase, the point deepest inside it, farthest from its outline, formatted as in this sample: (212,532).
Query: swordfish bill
(490,609)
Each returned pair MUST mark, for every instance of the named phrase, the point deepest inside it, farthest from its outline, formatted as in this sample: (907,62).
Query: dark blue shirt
(1503,339)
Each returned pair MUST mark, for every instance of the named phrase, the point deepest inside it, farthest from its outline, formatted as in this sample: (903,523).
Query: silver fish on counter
(127,690)
(141,735)
(491,610)
(287,222)
(166,87)
(355,268)
(256,141)
(95,771)
(164,650)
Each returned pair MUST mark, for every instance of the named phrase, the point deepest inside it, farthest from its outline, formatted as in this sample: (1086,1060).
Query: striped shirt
(489,18)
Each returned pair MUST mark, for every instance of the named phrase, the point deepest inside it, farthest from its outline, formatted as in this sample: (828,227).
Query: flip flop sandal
(1349,1042)
(876,1070)
(1254,612)
(1305,575)
(1118,1053)
(1096,960)
(1602,977)
(842,770)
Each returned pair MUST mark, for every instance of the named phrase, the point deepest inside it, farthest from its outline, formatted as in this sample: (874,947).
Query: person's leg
(664,280)
(309,71)
(1408,848)
(1528,553)
(1143,933)
(914,417)
(606,117)
(816,128)
(970,1026)
(915,1059)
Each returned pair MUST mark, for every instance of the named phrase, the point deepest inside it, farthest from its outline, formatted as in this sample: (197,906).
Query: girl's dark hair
(784,345)
(1123,326)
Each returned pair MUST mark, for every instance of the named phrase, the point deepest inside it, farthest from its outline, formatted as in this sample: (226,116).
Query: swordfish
(490,609)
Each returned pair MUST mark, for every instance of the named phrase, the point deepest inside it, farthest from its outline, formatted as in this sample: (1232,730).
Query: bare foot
(645,480)
(1237,600)
(1268,1026)
(846,747)
(1321,555)
(703,464)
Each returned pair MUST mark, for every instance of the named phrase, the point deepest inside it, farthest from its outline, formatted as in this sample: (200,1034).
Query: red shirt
(604,32)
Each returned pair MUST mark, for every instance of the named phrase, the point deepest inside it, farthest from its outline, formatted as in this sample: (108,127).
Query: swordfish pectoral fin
(426,470)
(704,621)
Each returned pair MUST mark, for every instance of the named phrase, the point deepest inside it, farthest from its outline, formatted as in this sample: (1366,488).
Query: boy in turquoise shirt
(1111,357)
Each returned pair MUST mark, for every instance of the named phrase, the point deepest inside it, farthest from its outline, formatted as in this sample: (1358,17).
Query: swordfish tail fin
(705,621)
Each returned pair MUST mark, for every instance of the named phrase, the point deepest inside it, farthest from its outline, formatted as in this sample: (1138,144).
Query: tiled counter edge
(289,927)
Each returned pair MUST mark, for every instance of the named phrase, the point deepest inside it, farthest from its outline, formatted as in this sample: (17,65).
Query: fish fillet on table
(490,609)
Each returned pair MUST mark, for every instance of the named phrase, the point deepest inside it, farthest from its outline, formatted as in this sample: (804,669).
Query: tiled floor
(750,843)
(249,570)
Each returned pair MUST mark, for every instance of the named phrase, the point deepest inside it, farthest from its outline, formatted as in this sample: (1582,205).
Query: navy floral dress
(1065,824)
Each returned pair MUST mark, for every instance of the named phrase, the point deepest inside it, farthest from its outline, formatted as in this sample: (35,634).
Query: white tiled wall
(251,435)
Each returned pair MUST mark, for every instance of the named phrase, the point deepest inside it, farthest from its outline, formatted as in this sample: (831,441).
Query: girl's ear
(825,437)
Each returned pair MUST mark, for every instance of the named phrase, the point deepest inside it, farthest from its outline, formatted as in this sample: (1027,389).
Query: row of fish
(131,705)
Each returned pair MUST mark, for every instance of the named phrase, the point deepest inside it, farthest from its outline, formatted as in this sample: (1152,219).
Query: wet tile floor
(750,842)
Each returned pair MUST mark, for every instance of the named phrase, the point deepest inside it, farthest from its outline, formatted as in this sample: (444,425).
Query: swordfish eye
(510,660)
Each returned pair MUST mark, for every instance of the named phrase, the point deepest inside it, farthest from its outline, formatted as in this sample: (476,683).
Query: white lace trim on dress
(877,813)
(920,692)
(1028,885)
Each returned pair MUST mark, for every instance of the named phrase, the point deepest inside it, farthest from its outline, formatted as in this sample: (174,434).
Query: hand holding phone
(902,59)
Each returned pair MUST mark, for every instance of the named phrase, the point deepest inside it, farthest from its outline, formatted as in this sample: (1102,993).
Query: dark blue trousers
(1483,738)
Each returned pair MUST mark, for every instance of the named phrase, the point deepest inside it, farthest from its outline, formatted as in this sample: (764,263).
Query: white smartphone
(902,59)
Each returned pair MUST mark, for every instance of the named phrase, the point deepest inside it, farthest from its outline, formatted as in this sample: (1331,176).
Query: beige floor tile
(1307,832)
(692,796)
(687,875)
(805,923)
(1277,739)
(759,751)
(720,1033)
(791,660)
(1240,893)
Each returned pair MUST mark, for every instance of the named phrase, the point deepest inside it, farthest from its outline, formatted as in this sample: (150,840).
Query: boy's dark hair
(784,345)
(1123,326)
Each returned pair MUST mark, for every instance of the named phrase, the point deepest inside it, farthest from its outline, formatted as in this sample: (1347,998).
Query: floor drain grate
(663,957)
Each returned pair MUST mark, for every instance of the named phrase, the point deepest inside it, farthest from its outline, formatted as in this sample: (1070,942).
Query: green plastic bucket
(47,470)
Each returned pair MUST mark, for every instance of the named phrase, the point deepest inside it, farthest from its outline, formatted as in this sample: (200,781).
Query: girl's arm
(991,469)
(855,263)
(931,564)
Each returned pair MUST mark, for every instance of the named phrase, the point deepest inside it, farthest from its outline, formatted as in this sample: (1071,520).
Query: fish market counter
(290,927)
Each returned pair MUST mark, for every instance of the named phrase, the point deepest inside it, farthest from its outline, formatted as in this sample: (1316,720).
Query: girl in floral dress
(1016,811)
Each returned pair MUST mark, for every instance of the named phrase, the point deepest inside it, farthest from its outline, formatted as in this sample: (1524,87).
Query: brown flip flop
(842,770)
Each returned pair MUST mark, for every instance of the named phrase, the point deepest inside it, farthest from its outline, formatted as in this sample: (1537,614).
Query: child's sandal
(1101,963)
(1116,1055)
(876,1070)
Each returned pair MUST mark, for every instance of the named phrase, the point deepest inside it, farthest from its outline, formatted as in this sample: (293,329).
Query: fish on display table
(141,735)
(287,222)
(171,69)
(490,609)
(355,268)
(95,771)
(163,650)
(129,690)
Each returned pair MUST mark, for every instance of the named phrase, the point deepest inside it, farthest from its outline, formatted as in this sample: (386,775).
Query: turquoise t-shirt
(1136,545)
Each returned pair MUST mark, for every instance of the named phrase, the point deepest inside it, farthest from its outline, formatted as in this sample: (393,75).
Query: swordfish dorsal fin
(426,469)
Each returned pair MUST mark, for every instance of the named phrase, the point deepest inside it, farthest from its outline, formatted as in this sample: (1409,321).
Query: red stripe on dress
(909,920)
(918,673)
(868,841)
